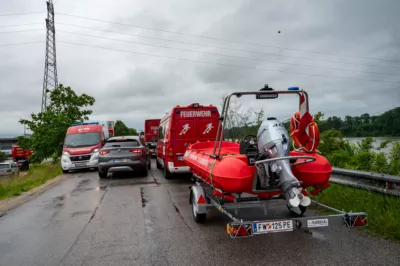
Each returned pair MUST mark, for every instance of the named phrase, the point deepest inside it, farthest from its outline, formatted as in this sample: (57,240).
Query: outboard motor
(274,142)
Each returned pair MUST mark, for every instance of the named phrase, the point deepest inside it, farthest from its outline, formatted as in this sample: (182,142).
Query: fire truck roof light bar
(88,123)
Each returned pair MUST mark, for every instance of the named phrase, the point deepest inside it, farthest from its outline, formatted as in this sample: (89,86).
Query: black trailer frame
(258,227)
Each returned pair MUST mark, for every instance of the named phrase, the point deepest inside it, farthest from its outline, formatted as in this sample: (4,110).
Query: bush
(360,156)
(394,159)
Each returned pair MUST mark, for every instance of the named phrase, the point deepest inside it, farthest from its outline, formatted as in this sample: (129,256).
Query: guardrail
(383,183)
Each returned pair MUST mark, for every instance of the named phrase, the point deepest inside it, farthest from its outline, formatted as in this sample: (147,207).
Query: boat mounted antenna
(267,96)
(266,88)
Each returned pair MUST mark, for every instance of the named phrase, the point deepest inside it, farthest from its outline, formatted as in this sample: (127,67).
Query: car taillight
(170,152)
(104,152)
(136,150)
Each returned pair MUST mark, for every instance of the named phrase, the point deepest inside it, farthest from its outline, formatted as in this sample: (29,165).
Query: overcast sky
(346,44)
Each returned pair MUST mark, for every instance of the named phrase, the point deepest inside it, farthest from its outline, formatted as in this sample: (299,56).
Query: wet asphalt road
(148,221)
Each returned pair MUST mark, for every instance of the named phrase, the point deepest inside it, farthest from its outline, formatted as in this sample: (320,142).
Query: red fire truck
(182,126)
(151,134)
(151,129)
(81,145)
(110,125)
(21,157)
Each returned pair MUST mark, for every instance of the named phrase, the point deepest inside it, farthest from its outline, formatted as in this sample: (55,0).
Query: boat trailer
(202,199)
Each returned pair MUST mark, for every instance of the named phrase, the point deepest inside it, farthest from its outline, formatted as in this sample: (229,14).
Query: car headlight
(95,150)
(65,154)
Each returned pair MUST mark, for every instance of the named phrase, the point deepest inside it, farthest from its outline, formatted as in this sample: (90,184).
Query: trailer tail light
(356,220)
(361,221)
(104,152)
(238,230)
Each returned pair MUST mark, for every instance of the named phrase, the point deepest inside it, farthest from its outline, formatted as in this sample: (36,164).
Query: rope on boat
(212,168)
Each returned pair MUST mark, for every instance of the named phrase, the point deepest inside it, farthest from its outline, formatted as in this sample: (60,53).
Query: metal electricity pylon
(50,80)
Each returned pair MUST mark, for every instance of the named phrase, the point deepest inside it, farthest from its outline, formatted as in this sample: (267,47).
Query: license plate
(80,164)
(273,227)
(119,160)
(180,158)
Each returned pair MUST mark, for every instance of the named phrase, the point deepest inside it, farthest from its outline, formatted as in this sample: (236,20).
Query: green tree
(120,129)
(24,142)
(318,117)
(259,117)
(3,156)
(133,132)
(64,108)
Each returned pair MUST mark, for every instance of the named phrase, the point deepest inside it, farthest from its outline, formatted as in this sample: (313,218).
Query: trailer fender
(196,192)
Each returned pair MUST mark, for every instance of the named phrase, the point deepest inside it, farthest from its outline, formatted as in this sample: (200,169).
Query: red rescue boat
(232,174)
(263,165)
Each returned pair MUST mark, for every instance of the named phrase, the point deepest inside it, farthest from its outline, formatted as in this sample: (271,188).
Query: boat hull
(232,174)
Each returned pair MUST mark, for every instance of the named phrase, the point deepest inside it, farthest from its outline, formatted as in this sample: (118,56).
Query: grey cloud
(133,87)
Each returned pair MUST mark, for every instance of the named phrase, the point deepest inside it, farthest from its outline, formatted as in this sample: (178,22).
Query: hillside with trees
(240,122)
(365,125)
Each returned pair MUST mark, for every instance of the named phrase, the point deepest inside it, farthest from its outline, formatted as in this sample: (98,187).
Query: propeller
(296,198)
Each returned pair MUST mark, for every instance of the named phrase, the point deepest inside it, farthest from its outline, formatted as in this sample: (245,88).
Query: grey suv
(124,154)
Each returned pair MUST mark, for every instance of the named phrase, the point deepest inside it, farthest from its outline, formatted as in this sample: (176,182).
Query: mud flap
(197,193)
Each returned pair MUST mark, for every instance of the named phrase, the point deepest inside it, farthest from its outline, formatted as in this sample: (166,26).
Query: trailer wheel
(199,218)
(299,211)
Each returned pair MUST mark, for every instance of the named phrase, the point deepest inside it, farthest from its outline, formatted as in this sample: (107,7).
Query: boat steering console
(249,147)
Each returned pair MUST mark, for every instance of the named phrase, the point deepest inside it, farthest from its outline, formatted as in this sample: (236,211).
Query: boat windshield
(82,140)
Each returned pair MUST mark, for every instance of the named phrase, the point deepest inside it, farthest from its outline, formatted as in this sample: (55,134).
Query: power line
(19,14)
(20,43)
(225,48)
(220,39)
(4,32)
(5,26)
(229,65)
(231,56)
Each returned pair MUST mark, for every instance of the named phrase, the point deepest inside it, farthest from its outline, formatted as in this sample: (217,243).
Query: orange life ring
(308,140)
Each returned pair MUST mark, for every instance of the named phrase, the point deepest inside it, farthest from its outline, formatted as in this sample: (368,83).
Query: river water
(377,143)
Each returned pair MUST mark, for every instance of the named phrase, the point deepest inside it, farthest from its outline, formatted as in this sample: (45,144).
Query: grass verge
(383,210)
(36,176)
